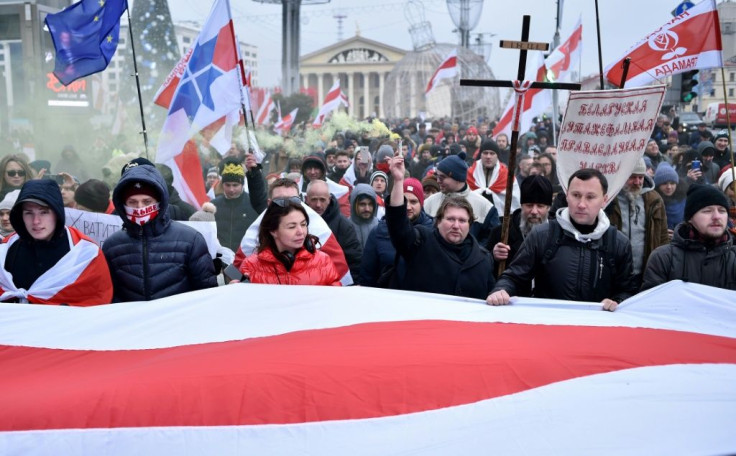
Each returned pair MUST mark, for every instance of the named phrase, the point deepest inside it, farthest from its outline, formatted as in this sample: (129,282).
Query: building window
(730,92)
(186,40)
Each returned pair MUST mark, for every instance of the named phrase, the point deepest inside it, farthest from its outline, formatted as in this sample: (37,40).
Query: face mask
(142,215)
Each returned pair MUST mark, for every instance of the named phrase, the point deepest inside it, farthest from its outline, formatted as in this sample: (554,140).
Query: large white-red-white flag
(201,91)
(333,100)
(688,42)
(447,69)
(270,369)
(535,102)
(284,124)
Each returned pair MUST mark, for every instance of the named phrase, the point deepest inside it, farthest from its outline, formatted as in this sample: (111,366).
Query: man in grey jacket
(702,250)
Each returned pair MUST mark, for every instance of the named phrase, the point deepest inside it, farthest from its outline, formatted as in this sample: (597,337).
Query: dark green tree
(297,100)
(157,52)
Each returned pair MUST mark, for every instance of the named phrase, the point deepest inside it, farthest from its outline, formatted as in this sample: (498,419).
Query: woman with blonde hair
(16,172)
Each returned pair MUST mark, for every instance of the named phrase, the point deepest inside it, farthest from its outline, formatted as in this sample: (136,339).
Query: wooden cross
(524,45)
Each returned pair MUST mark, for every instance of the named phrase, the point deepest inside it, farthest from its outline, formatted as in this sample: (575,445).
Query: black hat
(314,159)
(136,162)
(536,189)
(94,195)
(489,144)
(232,171)
(700,196)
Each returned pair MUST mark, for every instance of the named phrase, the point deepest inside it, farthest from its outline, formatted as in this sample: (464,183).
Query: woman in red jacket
(287,254)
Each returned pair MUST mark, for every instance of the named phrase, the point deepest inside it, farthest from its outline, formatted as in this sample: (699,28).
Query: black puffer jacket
(691,260)
(432,265)
(234,216)
(160,258)
(578,270)
(344,232)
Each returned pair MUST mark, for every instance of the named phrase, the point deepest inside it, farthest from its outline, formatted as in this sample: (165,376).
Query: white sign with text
(608,131)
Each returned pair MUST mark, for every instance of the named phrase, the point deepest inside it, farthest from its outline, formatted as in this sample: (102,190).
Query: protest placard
(608,131)
(99,227)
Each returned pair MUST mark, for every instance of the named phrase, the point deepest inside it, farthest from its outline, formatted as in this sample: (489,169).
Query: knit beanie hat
(536,189)
(137,188)
(413,186)
(136,162)
(232,171)
(206,214)
(9,201)
(700,196)
(489,144)
(721,134)
(471,130)
(665,173)
(454,166)
(723,182)
(640,168)
(430,182)
(94,195)
(378,174)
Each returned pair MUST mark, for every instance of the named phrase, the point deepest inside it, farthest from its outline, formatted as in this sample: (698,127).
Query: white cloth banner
(608,131)
(216,372)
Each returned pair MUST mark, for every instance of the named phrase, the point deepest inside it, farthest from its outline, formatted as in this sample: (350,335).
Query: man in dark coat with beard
(536,199)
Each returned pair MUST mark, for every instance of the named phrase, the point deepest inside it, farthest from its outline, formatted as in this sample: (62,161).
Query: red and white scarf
(79,278)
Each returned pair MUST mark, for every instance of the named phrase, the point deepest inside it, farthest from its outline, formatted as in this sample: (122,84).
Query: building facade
(362,66)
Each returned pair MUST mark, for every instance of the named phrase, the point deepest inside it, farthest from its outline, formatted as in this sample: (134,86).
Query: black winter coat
(160,258)
(344,232)
(431,265)
(234,216)
(691,260)
(577,271)
(379,252)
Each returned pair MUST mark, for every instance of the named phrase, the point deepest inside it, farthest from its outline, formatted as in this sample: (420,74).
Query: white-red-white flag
(447,69)
(309,370)
(334,99)
(265,110)
(565,58)
(536,101)
(284,124)
(688,42)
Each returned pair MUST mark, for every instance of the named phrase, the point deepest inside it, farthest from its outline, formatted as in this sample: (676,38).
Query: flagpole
(137,83)
(600,53)
(728,125)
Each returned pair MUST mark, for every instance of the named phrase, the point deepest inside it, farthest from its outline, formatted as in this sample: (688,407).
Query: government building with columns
(362,65)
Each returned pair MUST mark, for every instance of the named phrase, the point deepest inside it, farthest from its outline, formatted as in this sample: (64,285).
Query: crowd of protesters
(419,209)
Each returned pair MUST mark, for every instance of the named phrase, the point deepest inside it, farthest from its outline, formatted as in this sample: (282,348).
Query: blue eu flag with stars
(85,37)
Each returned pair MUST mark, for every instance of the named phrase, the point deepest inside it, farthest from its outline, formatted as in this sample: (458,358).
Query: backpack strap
(554,238)
(610,252)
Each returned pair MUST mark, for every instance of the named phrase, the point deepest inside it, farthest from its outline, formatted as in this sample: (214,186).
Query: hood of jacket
(563,218)
(359,191)
(45,190)
(702,145)
(151,176)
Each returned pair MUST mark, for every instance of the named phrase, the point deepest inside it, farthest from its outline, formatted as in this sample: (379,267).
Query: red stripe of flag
(359,371)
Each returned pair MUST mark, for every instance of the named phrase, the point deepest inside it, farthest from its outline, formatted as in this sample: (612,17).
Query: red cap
(413,186)
(471,131)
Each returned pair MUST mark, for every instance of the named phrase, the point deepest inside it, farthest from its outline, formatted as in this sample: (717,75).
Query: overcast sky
(623,22)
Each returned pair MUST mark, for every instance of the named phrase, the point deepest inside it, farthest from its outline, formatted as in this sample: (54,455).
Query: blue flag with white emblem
(85,37)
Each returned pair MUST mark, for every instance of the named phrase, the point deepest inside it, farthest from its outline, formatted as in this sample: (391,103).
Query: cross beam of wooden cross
(523,46)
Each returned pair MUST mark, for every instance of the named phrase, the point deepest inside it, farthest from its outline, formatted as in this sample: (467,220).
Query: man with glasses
(442,259)
(452,175)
